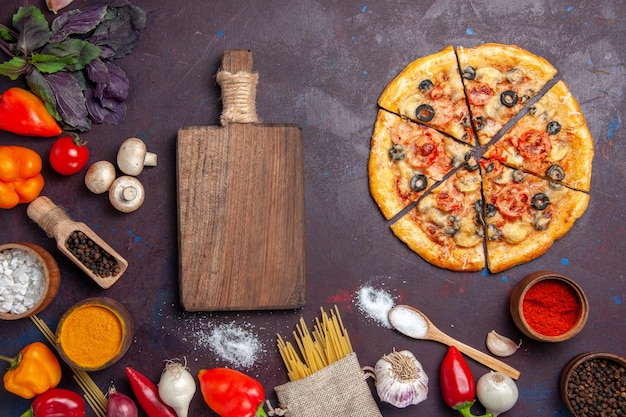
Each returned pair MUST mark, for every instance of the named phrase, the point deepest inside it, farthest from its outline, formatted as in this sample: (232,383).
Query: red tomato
(513,200)
(533,145)
(68,155)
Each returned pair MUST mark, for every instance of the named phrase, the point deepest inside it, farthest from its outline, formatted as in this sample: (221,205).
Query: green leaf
(48,63)
(33,28)
(76,54)
(6,34)
(13,68)
(39,86)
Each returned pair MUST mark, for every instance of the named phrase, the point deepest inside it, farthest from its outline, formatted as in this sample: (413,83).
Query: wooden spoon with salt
(413,323)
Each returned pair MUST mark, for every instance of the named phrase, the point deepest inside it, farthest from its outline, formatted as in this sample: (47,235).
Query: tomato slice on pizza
(499,80)
(524,214)
(430,91)
(406,159)
(551,140)
(444,227)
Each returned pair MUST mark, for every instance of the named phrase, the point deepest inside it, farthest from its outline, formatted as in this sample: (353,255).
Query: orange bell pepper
(33,371)
(24,113)
(20,176)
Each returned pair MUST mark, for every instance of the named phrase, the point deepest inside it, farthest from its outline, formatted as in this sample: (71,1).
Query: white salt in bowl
(29,280)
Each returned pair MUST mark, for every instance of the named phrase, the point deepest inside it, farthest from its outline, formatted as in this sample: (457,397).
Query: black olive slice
(509,98)
(478,206)
(518,176)
(424,112)
(479,122)
(453,224)
(471,164)
(555,173)
(490,210)
(419,182)
(532,110)
(540,201)
(469,73)
(490,166)
(426,86)
(397,152)
(493,233)
(553,127)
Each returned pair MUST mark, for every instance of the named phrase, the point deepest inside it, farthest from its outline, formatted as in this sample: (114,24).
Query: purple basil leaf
(114,112)
(120,30)
(111,81)
(40,87)
(76,22)
(70,100)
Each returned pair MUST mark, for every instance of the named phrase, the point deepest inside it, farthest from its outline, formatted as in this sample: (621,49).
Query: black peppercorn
(91,255)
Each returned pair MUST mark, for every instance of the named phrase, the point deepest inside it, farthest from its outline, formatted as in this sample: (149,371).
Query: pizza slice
(430,91)
(444,227)
(524,214)
(406,159)
(499,80)
(551,140)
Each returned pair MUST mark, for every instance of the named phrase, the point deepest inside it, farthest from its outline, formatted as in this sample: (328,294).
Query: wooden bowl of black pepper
(594,384)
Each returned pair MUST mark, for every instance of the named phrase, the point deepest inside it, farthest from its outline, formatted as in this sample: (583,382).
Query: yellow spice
(91,335)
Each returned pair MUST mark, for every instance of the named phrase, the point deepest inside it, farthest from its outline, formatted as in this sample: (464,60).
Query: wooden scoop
(413,323)
(240,204)
(56,223)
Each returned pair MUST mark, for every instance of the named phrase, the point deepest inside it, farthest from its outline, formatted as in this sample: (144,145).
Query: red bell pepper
(231,393)
(457,383)
(24,113)
(147,395)
(57,402)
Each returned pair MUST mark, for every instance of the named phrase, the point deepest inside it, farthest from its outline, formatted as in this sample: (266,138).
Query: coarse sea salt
(375,303)
(22,281)
(408,322)
(235,344)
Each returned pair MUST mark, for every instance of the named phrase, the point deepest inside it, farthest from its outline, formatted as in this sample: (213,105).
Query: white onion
(177,387)
(497,392)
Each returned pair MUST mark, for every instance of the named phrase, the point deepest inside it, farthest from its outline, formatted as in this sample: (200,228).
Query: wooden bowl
(94,334)
(520,291)
(51,274)
(575,370)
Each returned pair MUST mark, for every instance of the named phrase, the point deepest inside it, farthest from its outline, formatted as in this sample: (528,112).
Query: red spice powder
(551,307)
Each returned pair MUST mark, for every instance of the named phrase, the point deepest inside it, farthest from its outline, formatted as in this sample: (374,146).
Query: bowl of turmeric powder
(549,307)
(94,333)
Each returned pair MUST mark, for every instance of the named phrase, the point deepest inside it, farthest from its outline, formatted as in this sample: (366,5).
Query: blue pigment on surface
(564,261)
(469,31)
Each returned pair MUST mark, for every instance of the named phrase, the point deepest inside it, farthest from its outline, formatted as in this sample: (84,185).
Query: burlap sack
(339,389)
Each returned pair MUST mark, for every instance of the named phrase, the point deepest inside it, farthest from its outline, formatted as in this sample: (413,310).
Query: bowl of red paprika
(549,307)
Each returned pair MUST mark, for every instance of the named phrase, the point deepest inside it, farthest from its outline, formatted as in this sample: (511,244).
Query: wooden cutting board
(241,205)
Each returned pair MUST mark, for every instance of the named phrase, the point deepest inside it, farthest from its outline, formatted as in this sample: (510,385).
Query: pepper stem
(12,361)
(260,412)
(465,409)
(28,413)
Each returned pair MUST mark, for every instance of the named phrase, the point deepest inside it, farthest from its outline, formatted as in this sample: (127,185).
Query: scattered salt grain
(408,322)
(21,281)
(375,303)
(235,344)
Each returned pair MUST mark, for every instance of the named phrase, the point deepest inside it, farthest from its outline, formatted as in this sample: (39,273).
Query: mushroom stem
(150,160)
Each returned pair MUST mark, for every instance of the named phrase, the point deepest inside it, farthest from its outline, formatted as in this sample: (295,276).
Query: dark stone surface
(322,65)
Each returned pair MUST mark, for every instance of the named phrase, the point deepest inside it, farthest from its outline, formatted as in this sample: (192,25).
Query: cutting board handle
(238,83)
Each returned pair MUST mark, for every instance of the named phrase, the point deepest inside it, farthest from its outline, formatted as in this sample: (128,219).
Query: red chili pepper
(231,393)
(457,383)
(147,395)
(24,113)
(57,402)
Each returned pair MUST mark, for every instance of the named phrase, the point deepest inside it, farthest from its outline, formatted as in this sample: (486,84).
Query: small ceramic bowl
(599,373)
(94,334)
(517,306)
(46,264)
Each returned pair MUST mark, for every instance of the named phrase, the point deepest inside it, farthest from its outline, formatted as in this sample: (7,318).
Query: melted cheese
(490,76)
(515,232)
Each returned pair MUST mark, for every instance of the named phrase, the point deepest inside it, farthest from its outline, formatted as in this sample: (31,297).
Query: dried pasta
(327,343)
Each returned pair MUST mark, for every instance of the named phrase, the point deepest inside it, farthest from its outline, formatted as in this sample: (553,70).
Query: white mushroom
(133,156)
(126,194)
(99,177)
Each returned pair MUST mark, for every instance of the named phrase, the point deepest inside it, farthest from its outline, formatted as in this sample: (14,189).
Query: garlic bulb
(400,379)
(500,345)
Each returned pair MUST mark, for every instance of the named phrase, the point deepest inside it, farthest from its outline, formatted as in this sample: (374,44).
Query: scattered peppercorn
(90,254)
(597,387)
